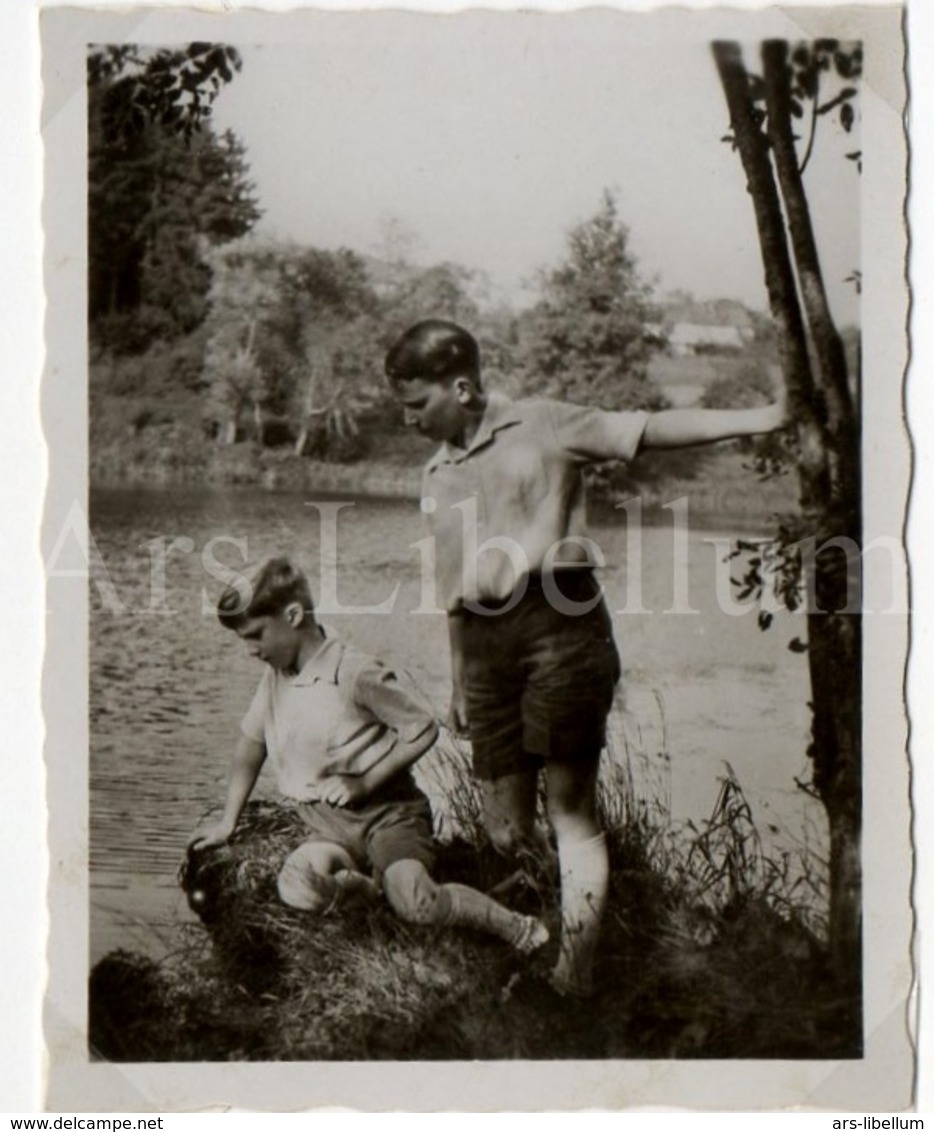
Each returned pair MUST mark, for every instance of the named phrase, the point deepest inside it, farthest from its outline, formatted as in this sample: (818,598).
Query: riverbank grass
(709,950)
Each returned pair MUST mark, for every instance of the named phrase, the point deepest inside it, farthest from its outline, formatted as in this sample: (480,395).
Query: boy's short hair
(434,350)
(263,590)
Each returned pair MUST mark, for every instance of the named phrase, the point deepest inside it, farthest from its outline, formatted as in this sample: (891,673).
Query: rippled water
(169,685)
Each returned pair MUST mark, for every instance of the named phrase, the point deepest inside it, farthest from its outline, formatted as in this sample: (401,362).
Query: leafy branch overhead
(161,184)
(814,67)
(174,89)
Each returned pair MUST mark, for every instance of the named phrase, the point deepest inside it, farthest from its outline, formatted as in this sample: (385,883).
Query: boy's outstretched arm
(681,428)
(248,758)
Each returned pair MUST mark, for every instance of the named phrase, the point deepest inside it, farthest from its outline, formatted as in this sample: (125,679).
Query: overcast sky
(489,135)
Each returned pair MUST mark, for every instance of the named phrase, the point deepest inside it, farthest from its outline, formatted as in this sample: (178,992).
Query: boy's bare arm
(248,758)
(343,789)
(682,428)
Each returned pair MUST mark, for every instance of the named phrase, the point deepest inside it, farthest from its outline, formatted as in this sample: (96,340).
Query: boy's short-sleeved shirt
(513,503)
(341,714)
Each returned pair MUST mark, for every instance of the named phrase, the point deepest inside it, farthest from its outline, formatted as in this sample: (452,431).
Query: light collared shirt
(341,714)
(512,503)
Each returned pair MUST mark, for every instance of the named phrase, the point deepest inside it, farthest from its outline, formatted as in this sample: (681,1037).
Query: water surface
(168,685)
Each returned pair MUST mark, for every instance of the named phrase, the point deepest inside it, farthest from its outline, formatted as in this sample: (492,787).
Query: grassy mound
(709,950)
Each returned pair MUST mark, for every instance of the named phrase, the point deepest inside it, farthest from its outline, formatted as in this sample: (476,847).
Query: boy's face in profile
(275,638)
(436,409)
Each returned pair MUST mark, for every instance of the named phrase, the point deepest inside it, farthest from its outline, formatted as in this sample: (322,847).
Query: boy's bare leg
(509,805)
(571,799)
(319,875)
(419,899)
(509,808)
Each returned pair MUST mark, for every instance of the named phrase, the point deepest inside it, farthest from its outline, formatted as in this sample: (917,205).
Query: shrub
(748,386)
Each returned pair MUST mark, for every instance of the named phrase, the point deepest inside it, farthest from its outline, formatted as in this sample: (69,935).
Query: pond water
(168,686)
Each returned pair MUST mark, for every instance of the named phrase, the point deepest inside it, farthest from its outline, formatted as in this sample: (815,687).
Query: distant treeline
(283,344)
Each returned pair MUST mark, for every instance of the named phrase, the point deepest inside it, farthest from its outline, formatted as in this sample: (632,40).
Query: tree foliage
(291,333)
(242,293)
(443,290)
(170,87)
(586,338)
(161,186)
(298,335)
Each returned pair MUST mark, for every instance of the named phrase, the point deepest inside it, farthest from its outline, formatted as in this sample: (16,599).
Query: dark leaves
(797,645)
(849,64)
(808,81)
(170,88)
(847,116)
(769,568)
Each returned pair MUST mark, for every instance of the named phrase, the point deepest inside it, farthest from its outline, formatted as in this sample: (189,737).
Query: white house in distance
(692,327)
(688,337)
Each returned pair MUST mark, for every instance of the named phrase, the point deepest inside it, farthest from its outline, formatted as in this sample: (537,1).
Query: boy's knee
(510,838)
(300,886)
(411,892)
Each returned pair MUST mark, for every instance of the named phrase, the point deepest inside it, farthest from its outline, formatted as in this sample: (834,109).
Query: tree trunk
(828,345)
(829,483)
(779,278)
(834,657)
(304,433)
(315,417)
(835,653)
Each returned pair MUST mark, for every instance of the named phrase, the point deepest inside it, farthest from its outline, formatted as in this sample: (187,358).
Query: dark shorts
(539,679)
(375,833)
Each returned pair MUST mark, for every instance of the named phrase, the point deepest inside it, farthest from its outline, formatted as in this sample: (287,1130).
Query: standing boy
(533,660)
(342,731)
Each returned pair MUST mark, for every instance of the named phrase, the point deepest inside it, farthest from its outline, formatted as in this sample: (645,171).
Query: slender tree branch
(810,146)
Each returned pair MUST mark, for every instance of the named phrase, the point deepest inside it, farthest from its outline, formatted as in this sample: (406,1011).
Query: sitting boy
(342,731)
(533,659)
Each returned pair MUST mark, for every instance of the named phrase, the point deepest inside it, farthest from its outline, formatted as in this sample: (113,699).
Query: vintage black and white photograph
(481,498)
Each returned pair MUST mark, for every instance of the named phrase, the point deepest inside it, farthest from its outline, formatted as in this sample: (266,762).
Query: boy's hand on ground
(343,789)
(215,834)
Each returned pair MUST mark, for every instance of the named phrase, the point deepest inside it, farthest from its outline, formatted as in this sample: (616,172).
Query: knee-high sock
(458,904)
(584,879)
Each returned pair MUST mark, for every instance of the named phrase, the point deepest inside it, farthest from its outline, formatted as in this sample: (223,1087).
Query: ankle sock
(462,905)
